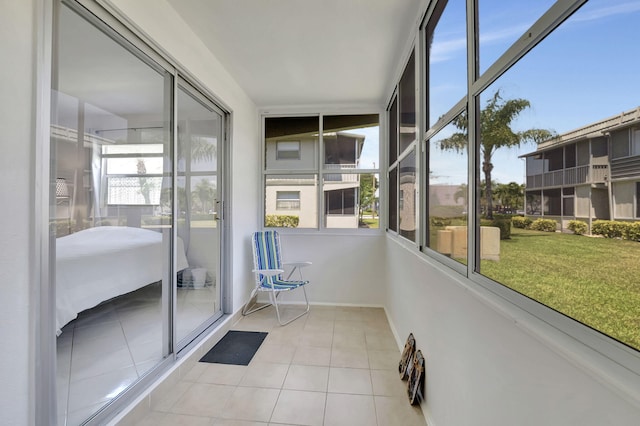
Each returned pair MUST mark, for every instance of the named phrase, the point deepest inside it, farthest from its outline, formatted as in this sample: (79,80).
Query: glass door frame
(181,83)
(125,33)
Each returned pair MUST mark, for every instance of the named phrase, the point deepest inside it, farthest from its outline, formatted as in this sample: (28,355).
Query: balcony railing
(594,173)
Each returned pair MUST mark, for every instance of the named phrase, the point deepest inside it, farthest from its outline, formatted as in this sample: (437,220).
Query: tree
(368,186)
(146,184)
(510,194)
(495,133)
(205,192)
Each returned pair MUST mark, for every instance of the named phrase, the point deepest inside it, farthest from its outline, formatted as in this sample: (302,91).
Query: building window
(287,200)
(635,142)
(341,201)
(133,173)
(341,163)
(288,150)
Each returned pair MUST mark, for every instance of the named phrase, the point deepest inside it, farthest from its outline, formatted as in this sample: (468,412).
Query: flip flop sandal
(415,385)
(406,361)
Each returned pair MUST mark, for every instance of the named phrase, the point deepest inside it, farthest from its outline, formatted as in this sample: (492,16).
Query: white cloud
(606,11)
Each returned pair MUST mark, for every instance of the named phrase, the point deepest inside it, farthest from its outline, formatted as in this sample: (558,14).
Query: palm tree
(205,192)
(510,194)
(495,133)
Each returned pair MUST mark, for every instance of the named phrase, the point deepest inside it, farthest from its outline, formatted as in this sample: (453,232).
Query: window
(341,201)
(402,168)
(288,150)
(635,142)
(620,144)
(133,173)
(446,53)
(495,36)
(559,266)
(340,164)
(541,148)
(448,190)
(407,105)
(568,201)
(288,200)
(446,153)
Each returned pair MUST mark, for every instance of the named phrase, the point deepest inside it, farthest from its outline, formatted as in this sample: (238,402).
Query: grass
(370,223)
(593,280)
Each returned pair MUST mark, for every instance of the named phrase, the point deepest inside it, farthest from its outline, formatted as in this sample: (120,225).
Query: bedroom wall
(485,367)
(17,171)
(158,20)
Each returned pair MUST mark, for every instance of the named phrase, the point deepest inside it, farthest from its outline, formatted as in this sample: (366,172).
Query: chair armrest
(269,272)
(298,264)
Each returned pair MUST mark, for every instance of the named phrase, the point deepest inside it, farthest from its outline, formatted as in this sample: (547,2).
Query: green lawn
(370,223)
(594,280)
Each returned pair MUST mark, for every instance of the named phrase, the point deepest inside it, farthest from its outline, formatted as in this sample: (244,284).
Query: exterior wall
(307,155)
(18,295)
(307,214)
(489,363)
(341,221)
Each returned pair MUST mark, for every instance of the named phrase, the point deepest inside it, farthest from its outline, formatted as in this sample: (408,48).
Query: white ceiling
(306,52)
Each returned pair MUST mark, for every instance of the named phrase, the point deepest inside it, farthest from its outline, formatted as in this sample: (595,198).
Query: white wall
(345,270)
(484,369)
(17,171)
(159,21)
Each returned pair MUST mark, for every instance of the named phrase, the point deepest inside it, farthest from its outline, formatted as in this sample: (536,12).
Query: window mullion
(320,171)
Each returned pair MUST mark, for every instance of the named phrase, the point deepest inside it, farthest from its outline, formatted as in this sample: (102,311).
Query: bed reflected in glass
(113,167)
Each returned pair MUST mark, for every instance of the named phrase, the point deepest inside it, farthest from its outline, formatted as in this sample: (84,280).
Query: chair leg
(246,308)
(274,301)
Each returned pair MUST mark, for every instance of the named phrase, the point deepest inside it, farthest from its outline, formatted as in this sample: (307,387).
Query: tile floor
(334,366)
(109,347)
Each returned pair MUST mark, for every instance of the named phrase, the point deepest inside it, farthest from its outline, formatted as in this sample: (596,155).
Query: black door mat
(236,347)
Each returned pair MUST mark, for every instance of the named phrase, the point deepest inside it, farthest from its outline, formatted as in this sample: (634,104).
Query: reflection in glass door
(199,142)
(110,147)
(120,273)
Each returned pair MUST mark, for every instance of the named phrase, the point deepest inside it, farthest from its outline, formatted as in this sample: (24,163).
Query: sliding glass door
(200,133)
(136,161)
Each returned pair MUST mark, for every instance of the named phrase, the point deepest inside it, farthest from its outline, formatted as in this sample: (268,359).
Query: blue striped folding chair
(269,270)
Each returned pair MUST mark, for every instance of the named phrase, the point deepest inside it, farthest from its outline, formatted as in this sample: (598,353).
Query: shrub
(546,225)
(578,227)
(521,222)
(440,221)
(281,221)
(609,228)
(505,227)
(633,231)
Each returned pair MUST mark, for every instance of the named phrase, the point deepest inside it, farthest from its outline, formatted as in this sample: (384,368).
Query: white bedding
(97,264)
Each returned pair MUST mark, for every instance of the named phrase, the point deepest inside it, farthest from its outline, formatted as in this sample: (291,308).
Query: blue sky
(586,71)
